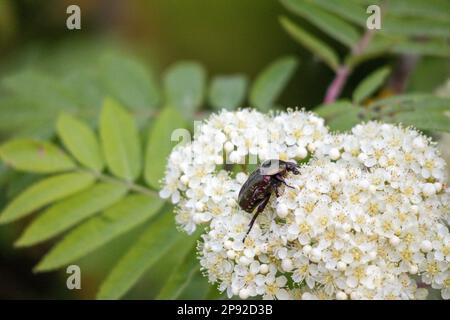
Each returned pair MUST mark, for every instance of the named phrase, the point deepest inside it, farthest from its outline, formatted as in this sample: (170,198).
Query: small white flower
(367,212)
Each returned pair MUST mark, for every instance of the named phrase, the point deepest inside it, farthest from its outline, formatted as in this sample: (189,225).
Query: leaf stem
(344,70)
(336,86)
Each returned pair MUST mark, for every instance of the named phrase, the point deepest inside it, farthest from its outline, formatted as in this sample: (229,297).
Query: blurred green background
(225,36)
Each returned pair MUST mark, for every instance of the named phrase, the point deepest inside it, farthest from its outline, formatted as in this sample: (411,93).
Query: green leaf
(349,10)
(159,144)
(88,89)
(330,110)
(370,84)
(147,250)
(340,115)
(377,47)
(184,85)
(70,211)
(95,232)
(435,9)
(423,120)
(197,288)
(120,141)
(227,91)
(344,122)
(271,81)
(129,82)
(439,48)
(410,102)
(45,192)
(335,27)
(35,156)
(181,276)
(81,141)
(317,47)
(25,118)
(415,27)
(47,91)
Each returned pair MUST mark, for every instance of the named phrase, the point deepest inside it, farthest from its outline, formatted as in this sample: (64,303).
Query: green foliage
(370,84)
(95,232)
(148,249)
(423,111)
(120,141)
(341,115)
(181,276)
(319,48)
(45,192)
(35,156)
(103,186)
(160,143)
(184,85)
(70,211)
(129,82)
(271,81)
(421,27)
(227,91)
(75,198)
(99,193)
(337,28)
(81,141)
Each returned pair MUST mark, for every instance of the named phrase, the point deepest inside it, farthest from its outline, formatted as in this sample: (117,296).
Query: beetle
(265,180)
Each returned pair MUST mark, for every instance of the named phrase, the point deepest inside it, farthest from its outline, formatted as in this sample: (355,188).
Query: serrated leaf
(423,120)
(334,26)
(160,144)
(95,232)
(120,141)
(45,192)
(70,211)
(35,156)
(147,250)
(227,91)
(370,84)
(129,82)
(81,141)
(316,46)
(180,277)
(184,85)
(269,84)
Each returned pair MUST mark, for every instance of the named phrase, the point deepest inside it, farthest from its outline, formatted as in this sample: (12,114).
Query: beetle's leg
(260,208)
(279,178)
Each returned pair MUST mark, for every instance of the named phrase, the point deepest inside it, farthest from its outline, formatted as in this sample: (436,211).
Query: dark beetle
(256,191)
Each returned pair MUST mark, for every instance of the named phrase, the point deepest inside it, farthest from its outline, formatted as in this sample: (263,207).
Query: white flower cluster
(367,217)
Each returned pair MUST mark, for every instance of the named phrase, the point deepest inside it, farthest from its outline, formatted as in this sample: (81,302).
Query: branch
(343,72)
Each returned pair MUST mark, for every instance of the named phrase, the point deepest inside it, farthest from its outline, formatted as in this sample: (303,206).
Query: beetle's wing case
(252,181)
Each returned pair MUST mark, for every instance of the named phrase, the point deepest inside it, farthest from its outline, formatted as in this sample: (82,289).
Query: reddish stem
(336,86)
(342,73)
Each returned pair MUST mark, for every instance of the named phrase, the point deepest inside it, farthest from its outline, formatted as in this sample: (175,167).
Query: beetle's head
(274,166)
(292,167)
